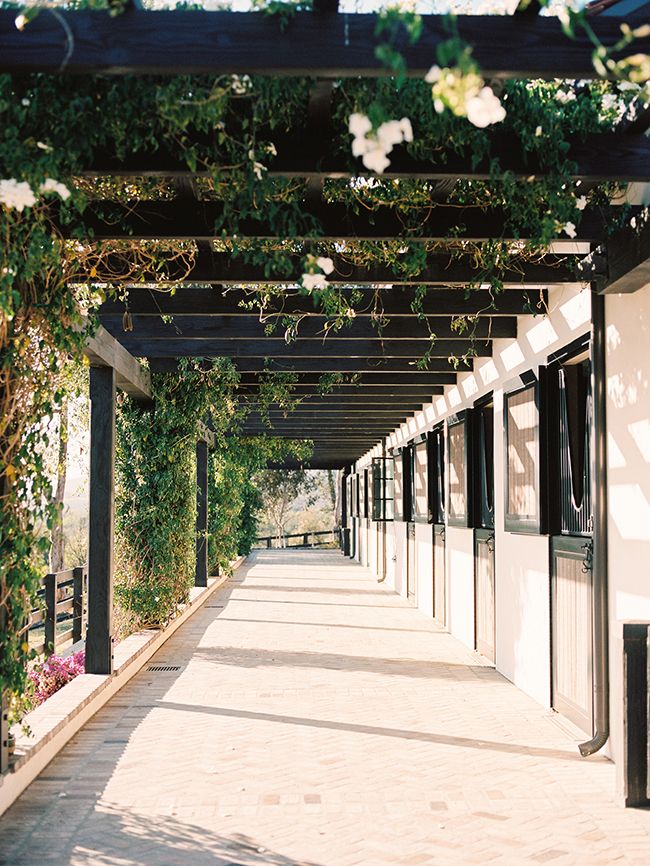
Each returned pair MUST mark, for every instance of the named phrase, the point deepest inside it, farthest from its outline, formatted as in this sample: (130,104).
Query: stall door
(484,593)
(571,618)
(439,575)
(411,563)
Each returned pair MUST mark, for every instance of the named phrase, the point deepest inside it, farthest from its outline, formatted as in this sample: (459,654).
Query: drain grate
(159,669)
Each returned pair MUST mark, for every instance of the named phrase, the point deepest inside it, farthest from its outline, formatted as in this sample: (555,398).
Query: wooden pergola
(207,316)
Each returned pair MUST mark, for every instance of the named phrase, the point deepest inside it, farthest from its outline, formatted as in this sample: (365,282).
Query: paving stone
(320,720)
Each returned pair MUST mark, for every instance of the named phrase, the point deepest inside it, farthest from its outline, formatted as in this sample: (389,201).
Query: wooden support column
(201,573)
(99,639)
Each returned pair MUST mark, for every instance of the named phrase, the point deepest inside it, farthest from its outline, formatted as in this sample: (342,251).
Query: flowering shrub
(49,676)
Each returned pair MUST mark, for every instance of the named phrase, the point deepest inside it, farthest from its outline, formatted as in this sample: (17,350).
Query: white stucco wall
(522,562)
(628,457)
(424,567)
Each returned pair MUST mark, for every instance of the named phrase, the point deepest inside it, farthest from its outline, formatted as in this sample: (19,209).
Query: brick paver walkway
(319,720)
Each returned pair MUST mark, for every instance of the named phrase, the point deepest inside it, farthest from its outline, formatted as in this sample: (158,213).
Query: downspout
(599,559)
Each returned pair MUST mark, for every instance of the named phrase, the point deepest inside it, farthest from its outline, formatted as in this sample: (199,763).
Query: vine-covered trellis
(350,207)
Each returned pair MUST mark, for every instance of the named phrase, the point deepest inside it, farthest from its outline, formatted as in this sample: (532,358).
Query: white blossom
(24,101)
(20,22)
(313,281)
(325,263)
(51,185)
(16,194)
(484,109)
(407,129)
(42,146)
(565,96)
(633,222)
(258,170)
(389,134)
(432,75)
(359,125)
(270,148)
(570,229)
(376,159)
(581,202)
(538,132)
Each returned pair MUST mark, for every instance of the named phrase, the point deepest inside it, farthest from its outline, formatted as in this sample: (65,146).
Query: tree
(279,490)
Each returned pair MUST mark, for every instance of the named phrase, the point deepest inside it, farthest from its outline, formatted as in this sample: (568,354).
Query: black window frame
(483,494)
(463,417)
(421,442)
(402,505)
(436,470)
(566,517)
(528,524)
(382,481)
(363,493)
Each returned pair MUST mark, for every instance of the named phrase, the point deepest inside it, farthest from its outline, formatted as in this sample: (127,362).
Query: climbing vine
(54,131)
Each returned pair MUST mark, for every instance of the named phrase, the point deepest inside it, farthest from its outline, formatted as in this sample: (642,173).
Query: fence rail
(307,539)
(60,614)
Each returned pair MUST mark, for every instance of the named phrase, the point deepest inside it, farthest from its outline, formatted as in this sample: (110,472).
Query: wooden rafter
(318,45)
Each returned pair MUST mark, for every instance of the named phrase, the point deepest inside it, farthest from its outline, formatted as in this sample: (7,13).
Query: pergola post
(99,639)
(201,573)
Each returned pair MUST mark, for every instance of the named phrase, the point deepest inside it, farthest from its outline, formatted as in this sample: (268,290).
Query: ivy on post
(99,640)
(201,573)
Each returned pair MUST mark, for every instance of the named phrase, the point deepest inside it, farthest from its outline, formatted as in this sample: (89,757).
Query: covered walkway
(310,717)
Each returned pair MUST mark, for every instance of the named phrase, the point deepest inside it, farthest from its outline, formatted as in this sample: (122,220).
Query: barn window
(437,473)
(524,510)
(382,488)
(459,469)
(421,511)
(570,422)
(483,428)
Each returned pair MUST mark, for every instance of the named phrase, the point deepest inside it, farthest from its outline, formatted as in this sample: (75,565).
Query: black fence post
(201,571)
(99,638)
(50,613)
(77,603)
(635,713)
(269,542)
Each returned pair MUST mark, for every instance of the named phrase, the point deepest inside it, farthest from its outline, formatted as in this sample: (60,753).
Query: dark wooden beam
(178,347)
(360,401)
(211,301)
(628,260)
(377,368)
(309,332)
(182,220)
(441,269)
(360,395)
(99,638)
(320,46)
(102,349)
(201,569)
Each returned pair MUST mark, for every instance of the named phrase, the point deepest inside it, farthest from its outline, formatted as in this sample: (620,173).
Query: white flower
(51,185)
(432,75)
(389,134)
(20,22)
(359,125)
(24,101)
(42,146)
(325,263)
(360,146)
(270,148)
(484,109)
(375,159)
(313,281)
(538,132)
(581,202)
(258,170)
(570,229)
(16,194)
(633,222)
(564,96)
(407,129)
(240,84)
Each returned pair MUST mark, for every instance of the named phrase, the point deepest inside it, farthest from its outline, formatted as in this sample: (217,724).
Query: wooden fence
(307,539)
(60,614)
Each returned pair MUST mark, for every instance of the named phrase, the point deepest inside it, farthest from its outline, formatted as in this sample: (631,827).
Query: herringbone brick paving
(319,720)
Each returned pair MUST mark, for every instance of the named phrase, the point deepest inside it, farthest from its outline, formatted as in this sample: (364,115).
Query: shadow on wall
(628,422)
